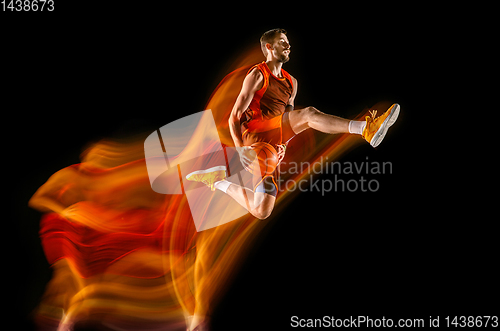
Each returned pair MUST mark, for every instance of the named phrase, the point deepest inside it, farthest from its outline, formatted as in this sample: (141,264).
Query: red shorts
(274,137)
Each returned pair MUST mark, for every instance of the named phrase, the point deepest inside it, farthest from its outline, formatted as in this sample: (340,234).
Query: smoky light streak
(126,257)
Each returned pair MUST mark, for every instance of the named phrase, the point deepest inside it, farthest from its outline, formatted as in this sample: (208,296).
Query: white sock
(222,185)
(357,127)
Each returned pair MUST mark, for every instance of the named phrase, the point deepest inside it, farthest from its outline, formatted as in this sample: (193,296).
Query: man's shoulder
(255,73)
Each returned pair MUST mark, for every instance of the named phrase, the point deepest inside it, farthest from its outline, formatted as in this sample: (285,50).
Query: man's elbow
(32,203)
(233,119)
(36,203)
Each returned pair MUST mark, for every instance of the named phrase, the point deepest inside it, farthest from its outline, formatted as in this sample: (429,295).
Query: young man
(263,112)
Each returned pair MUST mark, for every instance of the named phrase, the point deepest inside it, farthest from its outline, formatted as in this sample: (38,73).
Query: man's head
(275,45)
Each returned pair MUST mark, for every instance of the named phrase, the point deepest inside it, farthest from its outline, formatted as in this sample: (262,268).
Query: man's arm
(252,83)
(291,101)
(45,198)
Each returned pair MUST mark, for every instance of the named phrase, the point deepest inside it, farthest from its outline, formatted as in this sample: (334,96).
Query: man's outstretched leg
(373,129)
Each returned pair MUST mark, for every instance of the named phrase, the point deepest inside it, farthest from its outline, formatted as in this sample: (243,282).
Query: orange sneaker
(376,128)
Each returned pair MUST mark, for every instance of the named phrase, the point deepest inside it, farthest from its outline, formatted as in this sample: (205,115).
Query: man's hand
(247,156)
(252,83)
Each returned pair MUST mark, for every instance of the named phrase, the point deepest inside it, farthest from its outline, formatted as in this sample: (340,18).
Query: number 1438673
(27,5)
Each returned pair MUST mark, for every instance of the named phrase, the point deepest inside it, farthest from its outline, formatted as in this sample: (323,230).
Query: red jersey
(268,103)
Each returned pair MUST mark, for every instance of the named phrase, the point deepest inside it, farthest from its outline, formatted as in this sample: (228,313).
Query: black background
(412,250)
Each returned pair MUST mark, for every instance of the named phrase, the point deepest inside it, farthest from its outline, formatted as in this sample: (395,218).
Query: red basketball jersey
(268,103)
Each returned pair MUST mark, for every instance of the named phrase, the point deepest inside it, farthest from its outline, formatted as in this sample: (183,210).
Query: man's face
(281,48)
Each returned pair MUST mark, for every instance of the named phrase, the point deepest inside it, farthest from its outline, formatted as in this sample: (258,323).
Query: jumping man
(264,112)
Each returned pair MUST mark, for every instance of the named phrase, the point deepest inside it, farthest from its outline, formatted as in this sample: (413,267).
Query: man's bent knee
(310,111)
(262,213)
(264,209)
(300,118)
(306,113)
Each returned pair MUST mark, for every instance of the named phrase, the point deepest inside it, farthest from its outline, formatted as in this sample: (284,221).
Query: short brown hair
(268,38)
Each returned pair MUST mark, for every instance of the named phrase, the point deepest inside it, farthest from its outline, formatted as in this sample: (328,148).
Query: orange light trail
(127,257)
